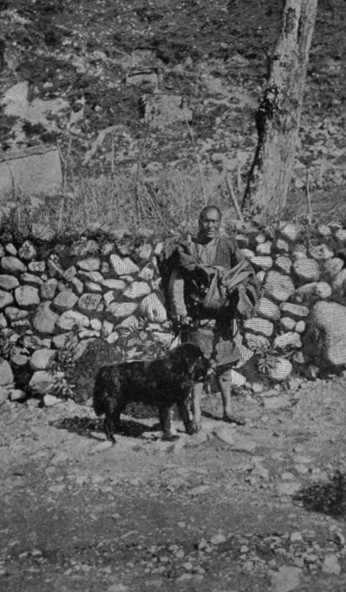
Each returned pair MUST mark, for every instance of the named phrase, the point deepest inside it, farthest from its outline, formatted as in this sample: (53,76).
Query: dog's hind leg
(108,428)
(165,415)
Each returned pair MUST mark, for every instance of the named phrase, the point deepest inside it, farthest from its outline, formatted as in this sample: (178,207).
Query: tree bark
(279,113)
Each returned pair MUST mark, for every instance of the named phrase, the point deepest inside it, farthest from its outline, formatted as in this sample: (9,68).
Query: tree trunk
(279,113)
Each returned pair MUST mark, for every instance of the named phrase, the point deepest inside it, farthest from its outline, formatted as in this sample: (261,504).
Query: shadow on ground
(328,497)
(87,428)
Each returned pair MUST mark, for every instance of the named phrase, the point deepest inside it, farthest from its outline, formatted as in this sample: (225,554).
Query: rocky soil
(260,507)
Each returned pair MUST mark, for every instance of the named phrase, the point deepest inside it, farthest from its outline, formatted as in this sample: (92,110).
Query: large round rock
(325,339)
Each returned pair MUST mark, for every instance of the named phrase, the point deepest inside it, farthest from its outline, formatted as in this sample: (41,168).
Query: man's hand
(185,321)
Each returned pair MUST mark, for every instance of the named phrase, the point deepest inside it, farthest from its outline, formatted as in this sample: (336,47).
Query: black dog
(160,383)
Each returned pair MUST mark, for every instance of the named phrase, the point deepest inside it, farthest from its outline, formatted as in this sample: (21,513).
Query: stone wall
(109,289)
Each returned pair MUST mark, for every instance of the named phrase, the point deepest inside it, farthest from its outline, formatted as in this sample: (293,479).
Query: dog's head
(193,358)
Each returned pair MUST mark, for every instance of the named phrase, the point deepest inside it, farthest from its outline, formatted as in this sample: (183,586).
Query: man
(211,282)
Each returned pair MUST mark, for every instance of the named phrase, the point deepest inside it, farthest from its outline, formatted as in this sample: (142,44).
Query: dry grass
(162,202)
(165,201)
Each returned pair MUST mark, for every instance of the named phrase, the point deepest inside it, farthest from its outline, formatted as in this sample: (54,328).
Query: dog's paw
(192,428)
(169,438)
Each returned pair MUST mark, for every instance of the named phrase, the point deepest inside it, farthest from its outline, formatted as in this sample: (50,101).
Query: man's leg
(225,385)
(197,393)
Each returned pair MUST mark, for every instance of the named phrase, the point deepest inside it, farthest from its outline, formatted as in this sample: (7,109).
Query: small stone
(48,289)
(295,310)
(307,270)
(11,249)
(4,395)
(290,339)
(8,282)
(256,342)
(314,289)
(281,370)
(333,266)
(339,282)
(13,265)
(70,319)
(6,374)
(146,274)
(256,387)
(218,539)
(288,487)
(331,565)
(136,290)
(287,578)
(112,284)
(77,285)
(37,266)
(27,296)
(5,298)
(263,262)
(264,248)
(44,319)
(41,381)
(279,402)
(340,235)
(54,267)
(287,323)
(321,252)
(50,400)
(152,309)
(41,359)
(124,309)
(90,264)
(89,301)
(65,300)
(289,231)
(268,309)
(258,325)
(300,327)
(260,239)
(123,266)
(30,278)
(225,434)
(17,396)
(324,230)
(144,251)
(69,273)
(112,338)
(278,286)
(27,251)
(283,264)
(282,245)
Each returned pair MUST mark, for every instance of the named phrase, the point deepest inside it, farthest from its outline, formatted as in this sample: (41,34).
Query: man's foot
(192,428)
(237,419)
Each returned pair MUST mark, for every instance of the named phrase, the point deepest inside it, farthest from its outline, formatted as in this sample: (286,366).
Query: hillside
(164,84)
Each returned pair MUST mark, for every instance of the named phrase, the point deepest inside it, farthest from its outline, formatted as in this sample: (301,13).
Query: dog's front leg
(165,415)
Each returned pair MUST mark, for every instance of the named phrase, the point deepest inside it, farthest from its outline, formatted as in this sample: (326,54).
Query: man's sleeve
(186,259)
(176,295)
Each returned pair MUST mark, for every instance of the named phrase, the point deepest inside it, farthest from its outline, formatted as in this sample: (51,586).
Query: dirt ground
(231,509)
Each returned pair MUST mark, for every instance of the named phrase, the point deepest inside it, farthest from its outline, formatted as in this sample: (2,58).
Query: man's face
(209,224)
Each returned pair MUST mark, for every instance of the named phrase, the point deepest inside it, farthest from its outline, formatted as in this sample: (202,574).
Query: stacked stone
(111,290)
(295,278)
(98,293)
